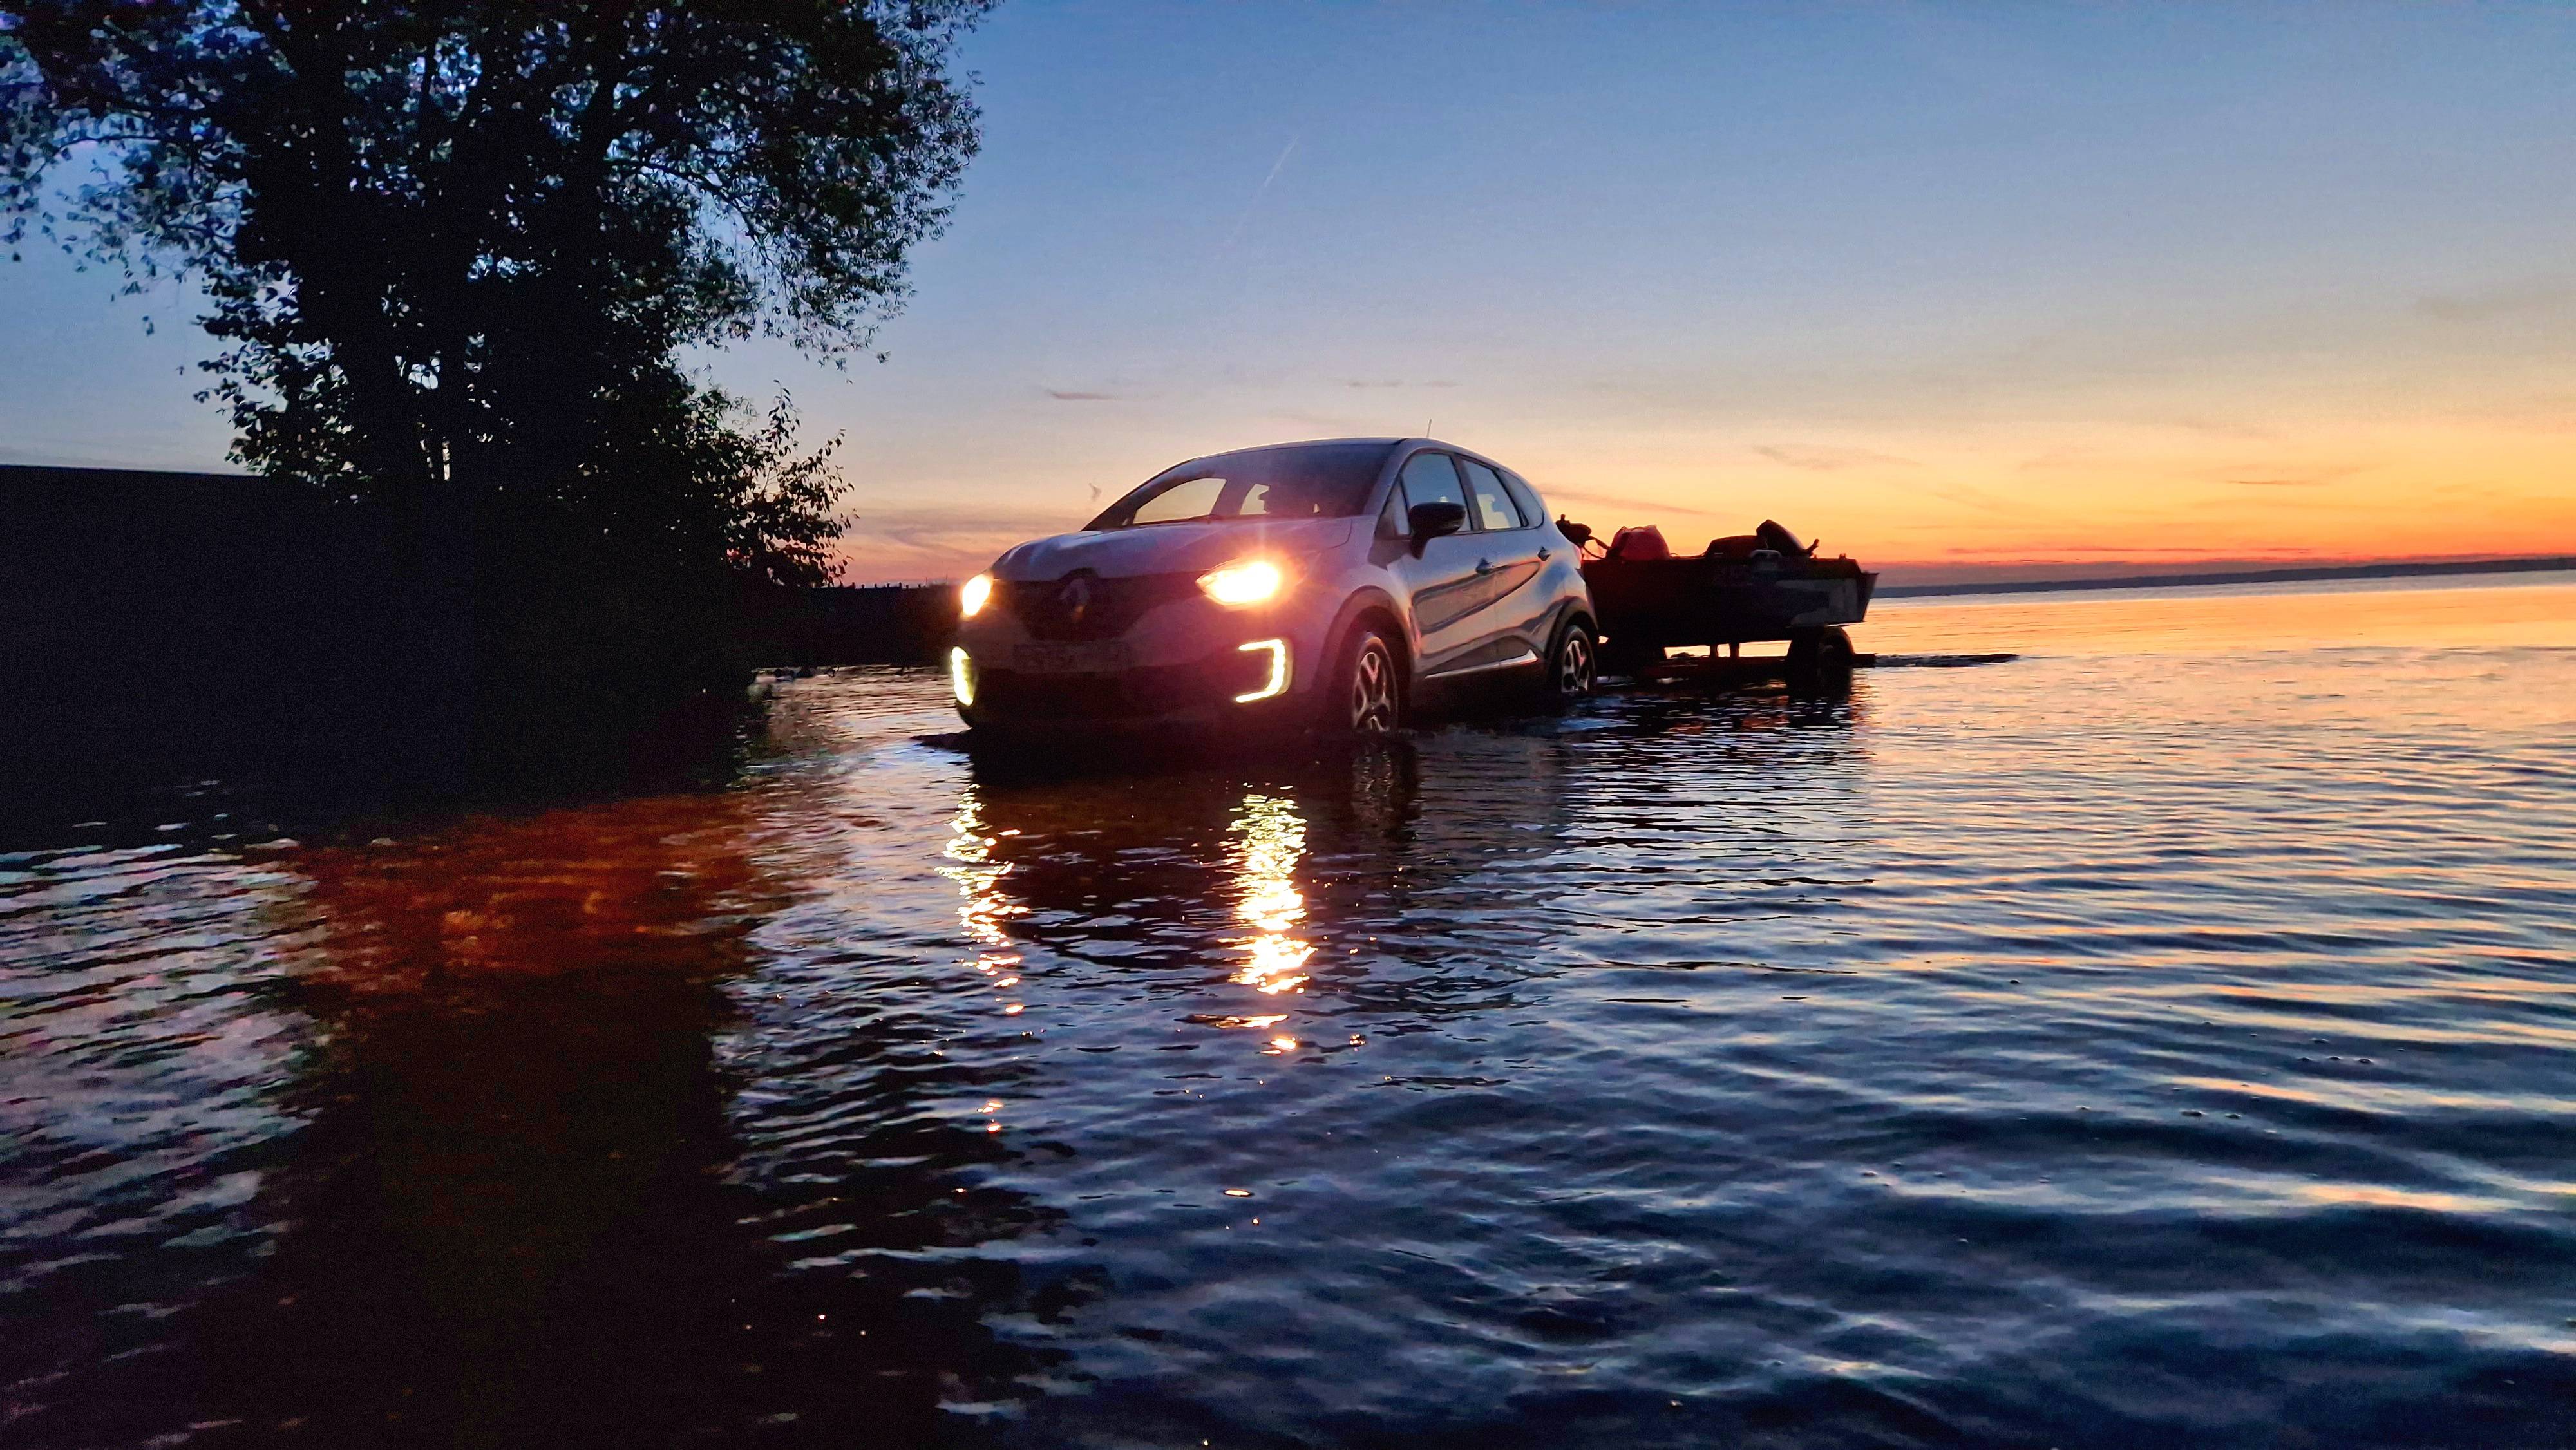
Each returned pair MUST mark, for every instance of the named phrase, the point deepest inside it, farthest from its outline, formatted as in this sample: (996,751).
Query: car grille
(1121,694)
(1113,606)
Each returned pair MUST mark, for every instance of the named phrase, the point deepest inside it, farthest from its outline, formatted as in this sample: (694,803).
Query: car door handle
(1543,556)
(1484,566)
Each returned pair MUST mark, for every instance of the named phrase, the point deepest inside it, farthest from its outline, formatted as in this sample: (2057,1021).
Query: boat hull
(1667,602)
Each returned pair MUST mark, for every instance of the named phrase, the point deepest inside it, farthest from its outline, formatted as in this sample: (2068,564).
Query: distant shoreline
(2236,576)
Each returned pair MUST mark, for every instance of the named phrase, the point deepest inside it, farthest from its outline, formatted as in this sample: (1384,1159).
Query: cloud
(1064,396)
(1330,425)
(2211,427)
(905,544)
(2536,412)
(2041,552)
(935,524)
(2489,303)
(2259,476)
(1827,458)
(1650,509)
(1395,383)
(2056,458)
(1966,496)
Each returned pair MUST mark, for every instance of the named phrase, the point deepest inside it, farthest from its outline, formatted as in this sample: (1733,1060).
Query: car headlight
(1250,582)
(972,596)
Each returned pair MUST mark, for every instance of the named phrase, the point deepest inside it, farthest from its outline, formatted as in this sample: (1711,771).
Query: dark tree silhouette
(457,252)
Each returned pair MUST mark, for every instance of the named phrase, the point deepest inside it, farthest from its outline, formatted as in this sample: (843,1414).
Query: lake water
(2165,1038)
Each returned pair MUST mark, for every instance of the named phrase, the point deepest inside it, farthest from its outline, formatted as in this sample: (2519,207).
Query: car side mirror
(1431,520)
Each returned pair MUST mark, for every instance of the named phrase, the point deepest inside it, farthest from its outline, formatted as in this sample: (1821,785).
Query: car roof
(1390,444)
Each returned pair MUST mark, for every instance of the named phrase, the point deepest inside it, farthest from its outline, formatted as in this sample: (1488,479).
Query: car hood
(1168,548)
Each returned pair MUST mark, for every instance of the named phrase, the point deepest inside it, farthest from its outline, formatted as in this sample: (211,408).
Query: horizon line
(2386,569)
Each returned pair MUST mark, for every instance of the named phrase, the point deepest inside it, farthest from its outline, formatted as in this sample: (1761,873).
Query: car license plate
(1071,659)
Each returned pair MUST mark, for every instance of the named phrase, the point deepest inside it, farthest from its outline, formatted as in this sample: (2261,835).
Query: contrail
(1244,220)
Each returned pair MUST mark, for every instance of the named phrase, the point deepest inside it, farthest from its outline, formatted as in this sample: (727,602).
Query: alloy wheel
(1574,664)
(1372,702)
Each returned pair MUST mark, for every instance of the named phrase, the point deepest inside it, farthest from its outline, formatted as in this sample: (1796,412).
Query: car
(1323,585)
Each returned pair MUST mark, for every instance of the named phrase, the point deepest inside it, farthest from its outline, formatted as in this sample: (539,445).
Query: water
(2168,1037)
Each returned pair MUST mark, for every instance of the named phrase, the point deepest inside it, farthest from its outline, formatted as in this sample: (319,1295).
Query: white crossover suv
(1316,585)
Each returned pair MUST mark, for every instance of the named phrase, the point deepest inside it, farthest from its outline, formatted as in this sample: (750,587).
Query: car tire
(1573,663)
(1364,695)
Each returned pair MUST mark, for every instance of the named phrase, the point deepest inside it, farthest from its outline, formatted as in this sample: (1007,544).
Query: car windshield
(1310,481)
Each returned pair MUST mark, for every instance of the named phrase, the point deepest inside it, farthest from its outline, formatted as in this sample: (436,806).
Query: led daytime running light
(1277,684)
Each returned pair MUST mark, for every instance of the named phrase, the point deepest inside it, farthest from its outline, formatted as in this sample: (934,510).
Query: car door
(1441,583)
(1513,549)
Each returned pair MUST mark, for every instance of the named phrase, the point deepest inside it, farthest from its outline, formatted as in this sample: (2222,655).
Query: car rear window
(1494,508)
(1311,481)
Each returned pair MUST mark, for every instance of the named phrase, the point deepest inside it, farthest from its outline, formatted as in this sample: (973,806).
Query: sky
(1959,289)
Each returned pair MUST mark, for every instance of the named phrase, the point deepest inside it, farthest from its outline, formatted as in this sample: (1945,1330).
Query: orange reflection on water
(2379,1195)
(1269,838)
(663,885)
(2439,612)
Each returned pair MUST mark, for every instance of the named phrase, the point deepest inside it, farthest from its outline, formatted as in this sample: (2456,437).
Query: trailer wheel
(1618,658)
(1819,656)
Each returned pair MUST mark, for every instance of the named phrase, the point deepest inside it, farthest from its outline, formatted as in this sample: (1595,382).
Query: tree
(456,250)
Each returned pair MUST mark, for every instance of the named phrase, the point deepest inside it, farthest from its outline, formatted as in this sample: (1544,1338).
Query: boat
(1765,585)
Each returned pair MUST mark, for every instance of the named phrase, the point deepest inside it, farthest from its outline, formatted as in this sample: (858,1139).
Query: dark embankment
(169,629)
(871,624)
(165,628)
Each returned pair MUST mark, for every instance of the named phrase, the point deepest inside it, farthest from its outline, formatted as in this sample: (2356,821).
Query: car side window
(1494,508)
(1391,522)
(1431,478)
(1526,497)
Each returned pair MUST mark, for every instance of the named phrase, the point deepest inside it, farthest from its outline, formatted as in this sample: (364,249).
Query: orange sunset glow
(1965,292)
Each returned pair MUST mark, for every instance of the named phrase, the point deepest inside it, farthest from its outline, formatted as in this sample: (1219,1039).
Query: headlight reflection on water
(981,911)
(1269,840)
(1266,841)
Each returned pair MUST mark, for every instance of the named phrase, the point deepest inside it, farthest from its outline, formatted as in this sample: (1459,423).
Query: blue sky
(1947,283)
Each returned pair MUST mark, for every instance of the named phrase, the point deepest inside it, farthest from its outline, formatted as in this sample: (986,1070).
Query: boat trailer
(1743,588)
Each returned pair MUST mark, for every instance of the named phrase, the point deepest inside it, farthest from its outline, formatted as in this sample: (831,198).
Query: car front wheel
(1367,693)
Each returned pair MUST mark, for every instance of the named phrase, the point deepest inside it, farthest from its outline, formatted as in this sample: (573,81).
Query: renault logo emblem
(1074,597)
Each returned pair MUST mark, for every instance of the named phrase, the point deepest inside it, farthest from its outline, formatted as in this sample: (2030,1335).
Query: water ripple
(2127,1043)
